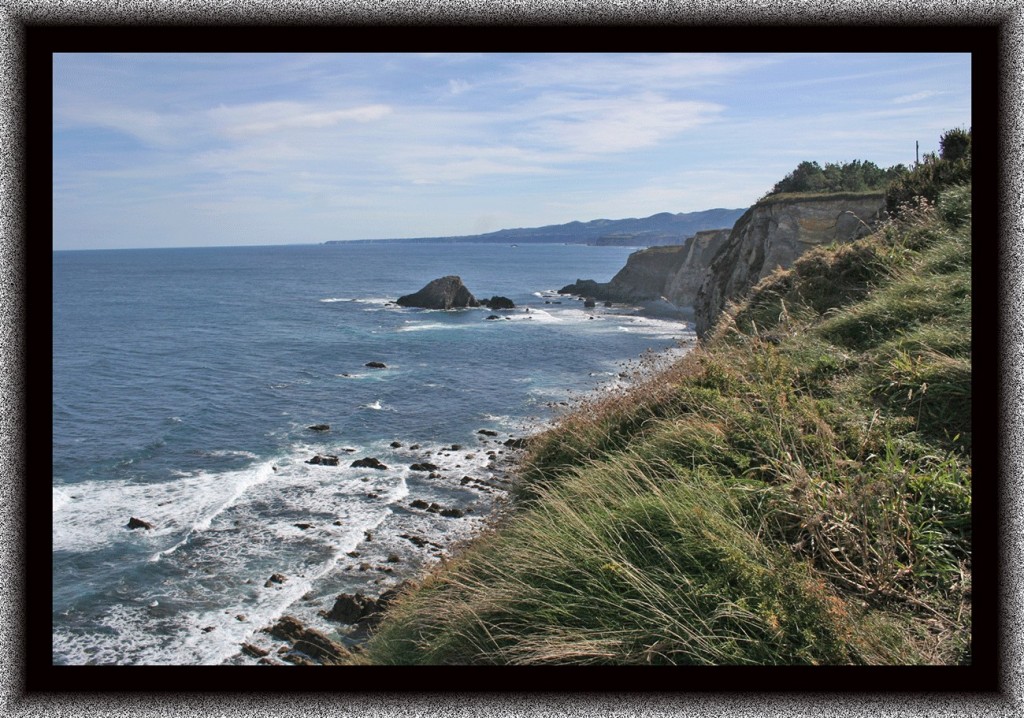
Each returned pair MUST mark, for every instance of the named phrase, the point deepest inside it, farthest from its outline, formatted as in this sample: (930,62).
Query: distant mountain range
(658,229)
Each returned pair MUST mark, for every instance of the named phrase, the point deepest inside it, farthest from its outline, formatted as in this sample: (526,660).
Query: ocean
(186,381)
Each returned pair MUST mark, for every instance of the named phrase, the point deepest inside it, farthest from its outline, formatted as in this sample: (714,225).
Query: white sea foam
(536,315)
(300,521)
(432,326)
(61,498)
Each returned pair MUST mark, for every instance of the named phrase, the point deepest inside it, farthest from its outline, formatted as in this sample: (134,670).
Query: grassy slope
(797,490)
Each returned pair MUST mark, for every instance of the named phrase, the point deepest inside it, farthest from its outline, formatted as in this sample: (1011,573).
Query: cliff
(671,272)
(772,234)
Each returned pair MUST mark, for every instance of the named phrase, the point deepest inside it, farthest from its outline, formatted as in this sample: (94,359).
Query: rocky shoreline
(340,629)
(329,629)
(398,559)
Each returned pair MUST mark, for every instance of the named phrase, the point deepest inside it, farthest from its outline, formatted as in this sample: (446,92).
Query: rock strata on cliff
(772,234)
(444,293)
(671,273)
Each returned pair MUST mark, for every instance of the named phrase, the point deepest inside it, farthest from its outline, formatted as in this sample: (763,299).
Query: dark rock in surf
(589,303)
(425,466)
(376,365)
(309,642)
(369,463)
(351,607)
(493,317)
(396,444)
(328,460)
(517,443)
(134,523)
(498,303)
(320,427)
(276,578)
(254,651)
(444,293)
(487,432)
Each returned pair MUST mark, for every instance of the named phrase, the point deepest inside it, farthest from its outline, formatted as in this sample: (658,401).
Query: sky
(176,150)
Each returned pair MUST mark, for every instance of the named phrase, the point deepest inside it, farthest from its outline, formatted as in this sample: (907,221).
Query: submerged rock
(444,293)
(320,427)
(376,365)
(134,523)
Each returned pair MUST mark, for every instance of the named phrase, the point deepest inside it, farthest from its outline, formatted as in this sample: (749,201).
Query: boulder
(369,463)
(310,642)
(424,466)
(254,651)
(276,578)
(329,460)
(497,302)
(350,608)
(376,365)
(444,293)
(320,427)
(589,303)
(134,523)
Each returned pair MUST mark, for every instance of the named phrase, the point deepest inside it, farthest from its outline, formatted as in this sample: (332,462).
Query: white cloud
(915,97)
(248,120)
(457,87)
(608,125)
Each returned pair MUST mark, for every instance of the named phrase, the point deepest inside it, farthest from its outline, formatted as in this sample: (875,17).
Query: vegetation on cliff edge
(797,490)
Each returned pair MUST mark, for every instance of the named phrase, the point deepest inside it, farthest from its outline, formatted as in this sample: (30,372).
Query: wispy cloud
(915,97)
(280,116)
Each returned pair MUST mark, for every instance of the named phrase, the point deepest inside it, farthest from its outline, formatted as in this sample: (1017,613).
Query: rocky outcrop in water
(772,234)
(444,293)
(497,302)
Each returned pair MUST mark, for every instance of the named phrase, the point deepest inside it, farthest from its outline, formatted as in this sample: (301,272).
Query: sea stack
(444,293)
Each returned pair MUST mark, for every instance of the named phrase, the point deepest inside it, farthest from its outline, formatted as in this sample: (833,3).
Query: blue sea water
(185,382)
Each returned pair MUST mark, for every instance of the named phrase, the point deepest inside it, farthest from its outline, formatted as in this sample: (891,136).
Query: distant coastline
(658,229)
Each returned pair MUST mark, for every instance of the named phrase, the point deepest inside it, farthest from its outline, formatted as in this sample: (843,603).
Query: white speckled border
(452,699)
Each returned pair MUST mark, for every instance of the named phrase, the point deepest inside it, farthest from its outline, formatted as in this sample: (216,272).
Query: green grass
(797,490)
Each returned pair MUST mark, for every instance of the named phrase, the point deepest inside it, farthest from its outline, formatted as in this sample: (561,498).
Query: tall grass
(795,491)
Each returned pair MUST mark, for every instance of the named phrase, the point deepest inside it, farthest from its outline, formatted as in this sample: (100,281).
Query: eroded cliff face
(670,272)
(773,234)
(683,284)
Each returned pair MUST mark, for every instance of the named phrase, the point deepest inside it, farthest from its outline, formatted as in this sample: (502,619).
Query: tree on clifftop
(855,176)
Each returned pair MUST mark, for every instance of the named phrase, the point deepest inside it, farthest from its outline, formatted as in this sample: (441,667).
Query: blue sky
(165,150)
